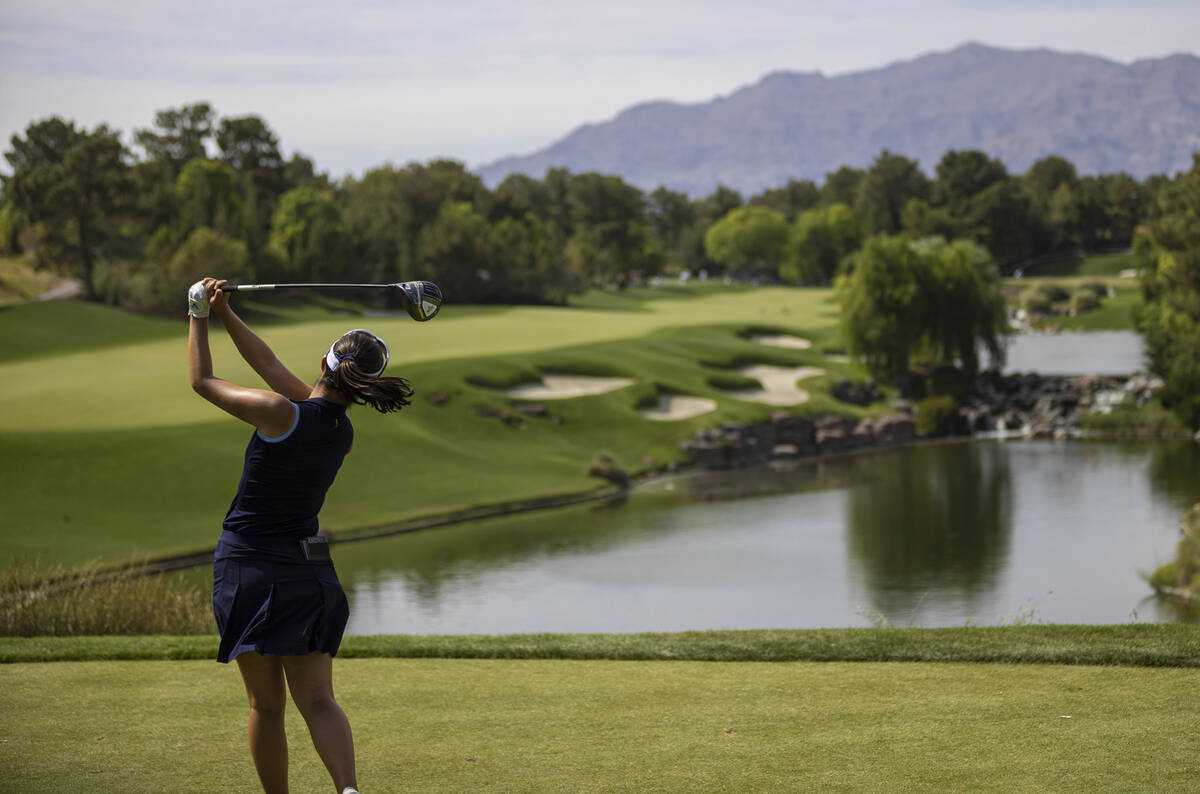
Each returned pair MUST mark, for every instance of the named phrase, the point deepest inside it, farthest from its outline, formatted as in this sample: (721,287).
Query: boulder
(848,391)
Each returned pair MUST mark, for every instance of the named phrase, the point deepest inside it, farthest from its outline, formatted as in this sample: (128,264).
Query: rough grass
(1146,645)
(20,282)
(106,452)
(498,725)
(37,601)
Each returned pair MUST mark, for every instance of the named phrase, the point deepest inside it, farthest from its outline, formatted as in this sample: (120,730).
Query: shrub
(1055,293)
(935,415)
(732,381)
(1084,301)
(1184,570)
(1097,288)
(1128,418)
(1033,301)
(606,467)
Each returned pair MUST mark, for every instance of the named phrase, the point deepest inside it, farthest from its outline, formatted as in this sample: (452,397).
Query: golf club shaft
(254,287)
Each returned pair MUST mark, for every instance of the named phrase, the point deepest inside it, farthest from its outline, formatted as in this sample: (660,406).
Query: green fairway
(108,454)
(1116,312)
(1090,265)
(469,725)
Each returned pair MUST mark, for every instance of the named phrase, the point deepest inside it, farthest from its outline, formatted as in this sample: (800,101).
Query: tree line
(200,194)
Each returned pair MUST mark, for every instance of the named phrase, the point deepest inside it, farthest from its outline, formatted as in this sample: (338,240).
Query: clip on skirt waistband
(315,547)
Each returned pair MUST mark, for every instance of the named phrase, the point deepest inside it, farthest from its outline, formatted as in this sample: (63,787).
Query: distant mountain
(1017,105)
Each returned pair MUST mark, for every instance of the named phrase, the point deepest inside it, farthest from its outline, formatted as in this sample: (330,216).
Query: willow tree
(930,299)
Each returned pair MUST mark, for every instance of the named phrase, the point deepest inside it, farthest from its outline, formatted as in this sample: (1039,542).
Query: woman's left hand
(218,301)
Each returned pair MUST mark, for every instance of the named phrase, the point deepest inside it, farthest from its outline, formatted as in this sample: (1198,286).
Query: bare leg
(310,678)
(263,676)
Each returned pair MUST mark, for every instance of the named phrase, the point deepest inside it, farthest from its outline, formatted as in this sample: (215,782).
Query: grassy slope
(1091,265)
(1115,313)
(20,282)
(107,453)
(469,725)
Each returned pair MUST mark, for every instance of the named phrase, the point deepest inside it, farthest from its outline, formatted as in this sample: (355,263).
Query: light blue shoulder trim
(292,429)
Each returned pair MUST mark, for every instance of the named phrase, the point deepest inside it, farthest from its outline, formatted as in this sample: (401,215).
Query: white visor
(332,361)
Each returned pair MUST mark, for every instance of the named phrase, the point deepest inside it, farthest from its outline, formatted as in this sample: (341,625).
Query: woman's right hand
(218,301)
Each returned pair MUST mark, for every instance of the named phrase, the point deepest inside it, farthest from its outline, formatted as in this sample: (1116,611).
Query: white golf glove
(198,300)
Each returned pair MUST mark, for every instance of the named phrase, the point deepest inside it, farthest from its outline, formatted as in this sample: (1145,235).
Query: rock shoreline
(1024,405)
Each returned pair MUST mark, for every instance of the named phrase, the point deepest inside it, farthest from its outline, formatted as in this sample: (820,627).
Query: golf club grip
(244,287)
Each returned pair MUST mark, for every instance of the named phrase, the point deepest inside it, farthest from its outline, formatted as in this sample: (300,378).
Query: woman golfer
(279,606)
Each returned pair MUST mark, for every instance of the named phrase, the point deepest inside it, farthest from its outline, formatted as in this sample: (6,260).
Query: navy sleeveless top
(284,479)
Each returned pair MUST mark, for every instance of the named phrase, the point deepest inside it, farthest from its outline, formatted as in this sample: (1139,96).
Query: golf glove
(198,300)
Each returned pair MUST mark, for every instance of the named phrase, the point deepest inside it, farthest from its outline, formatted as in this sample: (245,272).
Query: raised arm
(273,414)
(256,352)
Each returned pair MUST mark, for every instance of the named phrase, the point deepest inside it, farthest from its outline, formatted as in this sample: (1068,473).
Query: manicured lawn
(1090,265)
(106,453)
(499,725)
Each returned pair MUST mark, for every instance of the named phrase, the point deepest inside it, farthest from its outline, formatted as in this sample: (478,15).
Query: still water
(985,532)
(1094,353)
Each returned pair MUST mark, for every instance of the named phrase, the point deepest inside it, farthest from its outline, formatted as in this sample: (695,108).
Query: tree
(790,200)
(817,243)
(929,298)
(748,238)
(307,230)
(611,242)
(1001,219)
(1168,254)
(1050,183)
(454,250)
(379,220)
(964,303)
(251,149)
(961,175)
(72,184)
(179,135)
(386,211)
(207,194)
(884,190)
(841,186)
(882,305)
(717,204)
(669,214)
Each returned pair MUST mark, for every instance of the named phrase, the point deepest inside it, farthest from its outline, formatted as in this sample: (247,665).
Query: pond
(979,532)
(1068,353)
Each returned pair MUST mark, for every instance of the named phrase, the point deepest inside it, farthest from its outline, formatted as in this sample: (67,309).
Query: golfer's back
(284,479)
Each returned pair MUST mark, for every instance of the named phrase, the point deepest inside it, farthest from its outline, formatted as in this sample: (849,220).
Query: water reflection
(428,563)
(942,534)
(933,518)
(1173,467)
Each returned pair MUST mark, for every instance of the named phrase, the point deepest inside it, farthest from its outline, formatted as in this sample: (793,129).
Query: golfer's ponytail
(354,366)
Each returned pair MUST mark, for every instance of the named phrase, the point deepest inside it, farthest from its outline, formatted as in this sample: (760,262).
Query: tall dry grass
(57,601)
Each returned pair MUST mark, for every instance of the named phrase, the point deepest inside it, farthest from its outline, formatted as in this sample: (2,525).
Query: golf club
(422,299)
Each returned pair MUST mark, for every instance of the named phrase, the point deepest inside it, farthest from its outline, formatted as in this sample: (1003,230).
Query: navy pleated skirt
(268,598)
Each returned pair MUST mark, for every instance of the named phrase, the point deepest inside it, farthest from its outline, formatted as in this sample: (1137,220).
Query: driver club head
(422,299)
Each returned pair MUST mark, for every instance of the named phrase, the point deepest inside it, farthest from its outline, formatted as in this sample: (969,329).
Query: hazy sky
(358,83)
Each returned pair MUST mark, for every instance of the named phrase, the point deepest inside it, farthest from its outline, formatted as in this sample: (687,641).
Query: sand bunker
(561,387)
(672,407)
(793,342)
(778,384)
